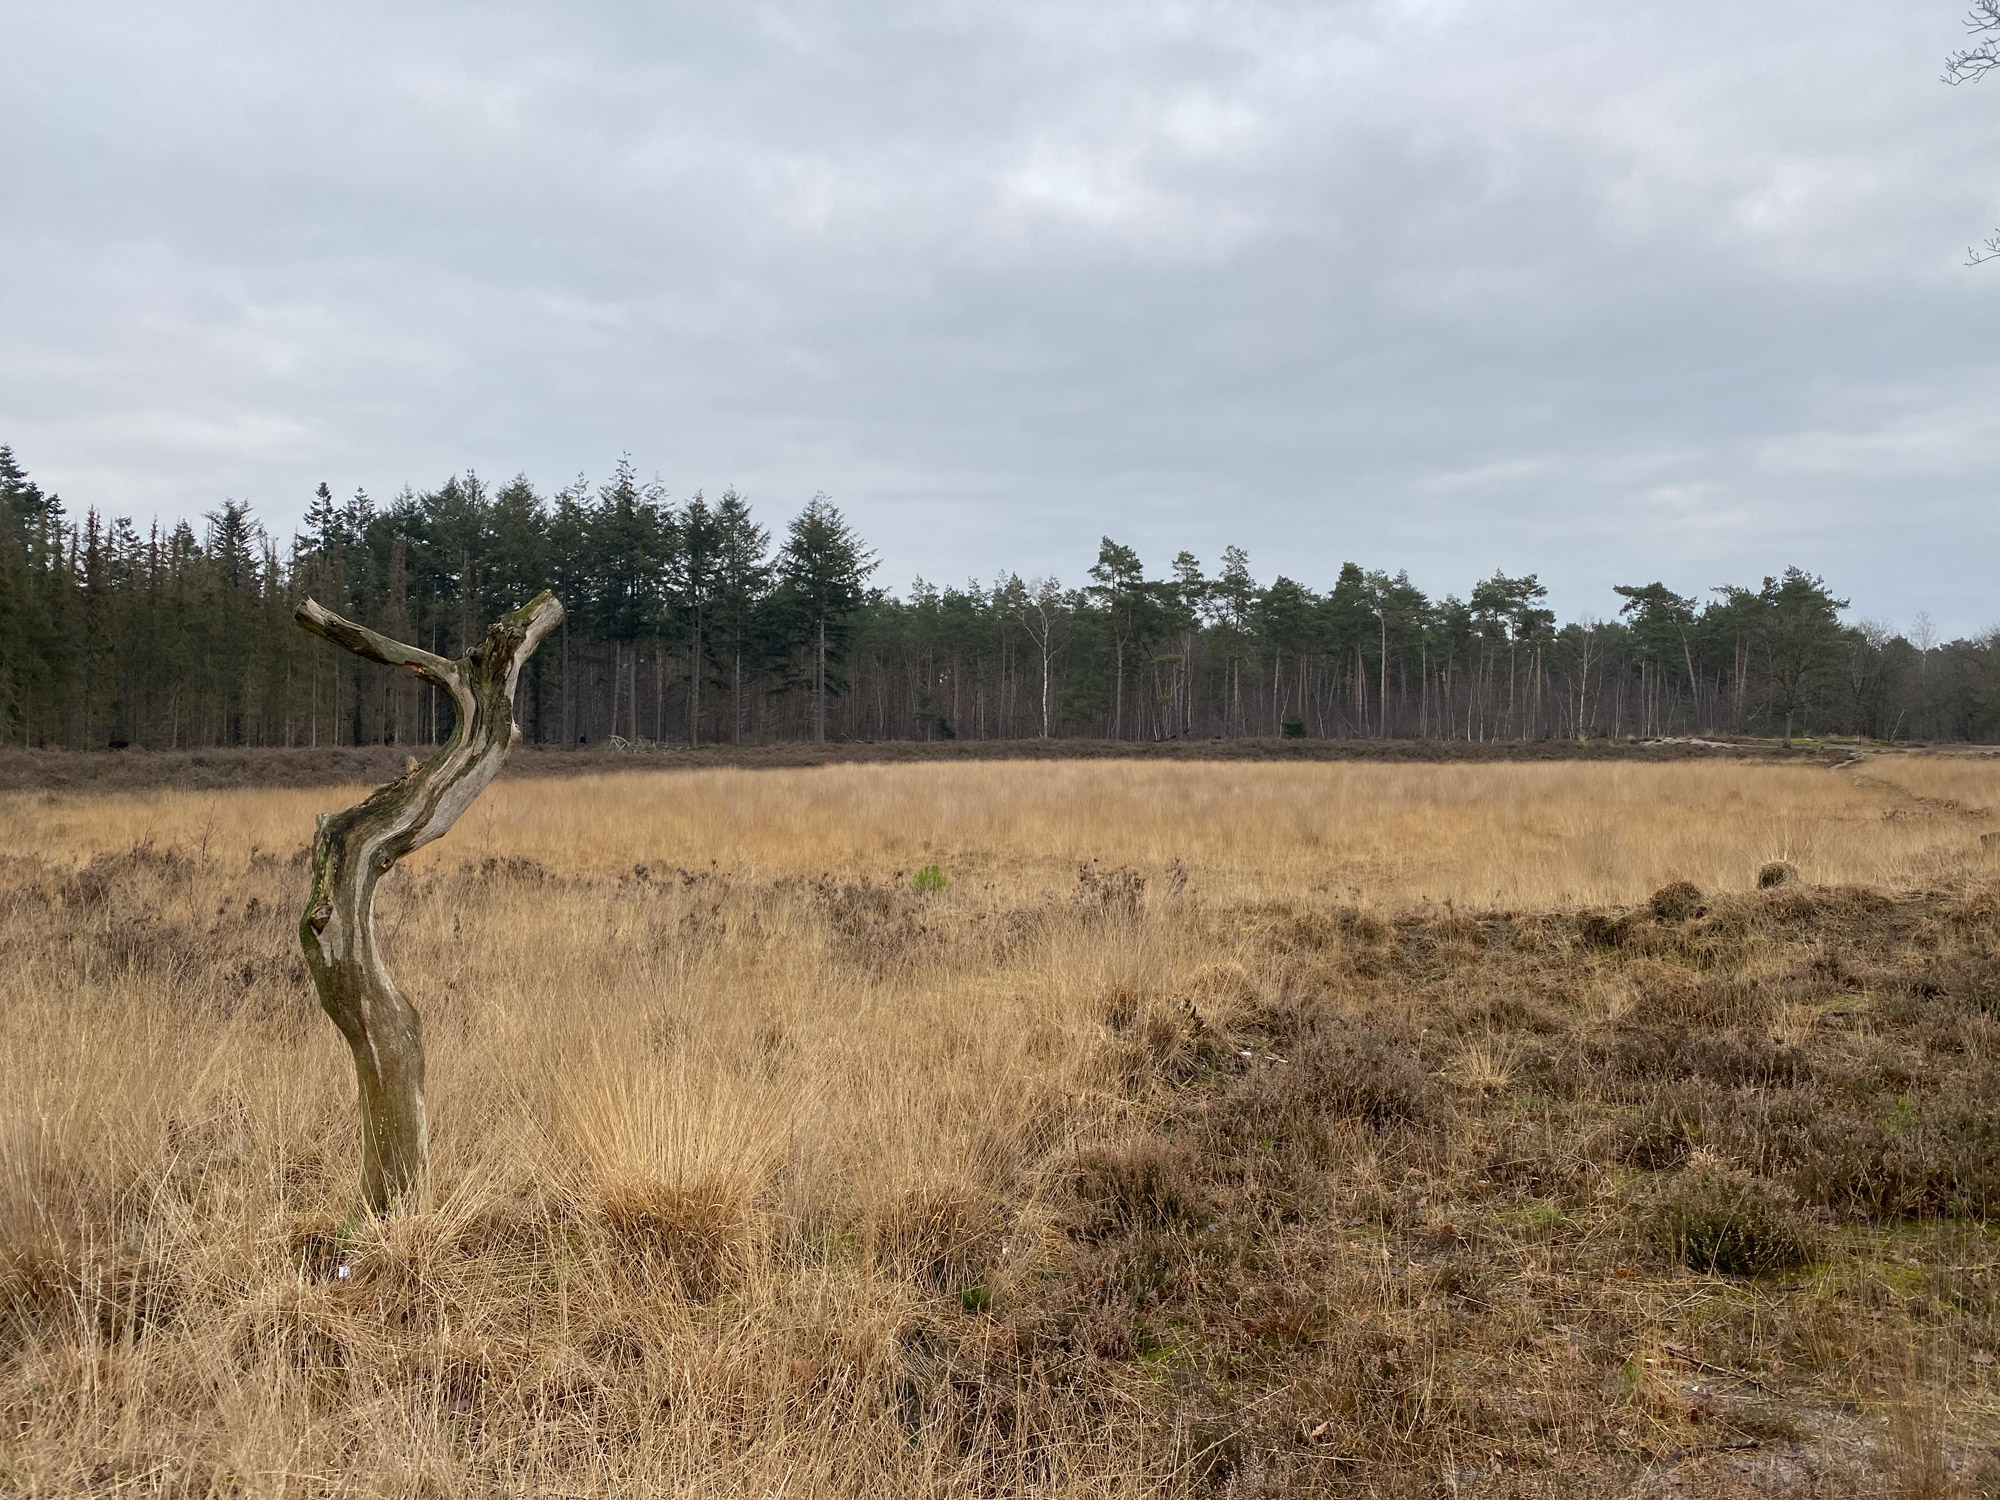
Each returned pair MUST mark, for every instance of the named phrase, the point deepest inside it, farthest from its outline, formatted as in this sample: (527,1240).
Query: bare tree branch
(1974,63)
(354,849)
(1969,65)
(362,641)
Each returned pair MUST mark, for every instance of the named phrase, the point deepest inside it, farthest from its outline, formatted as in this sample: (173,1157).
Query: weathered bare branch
(362,641)
(1974,63)
(1969,66)
(354,849)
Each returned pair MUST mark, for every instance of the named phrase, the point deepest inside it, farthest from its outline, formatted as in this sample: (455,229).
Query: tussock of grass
(1122,1164)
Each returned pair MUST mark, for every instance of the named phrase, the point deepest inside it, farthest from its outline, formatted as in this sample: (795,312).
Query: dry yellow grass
(732,1149)
(1533,836)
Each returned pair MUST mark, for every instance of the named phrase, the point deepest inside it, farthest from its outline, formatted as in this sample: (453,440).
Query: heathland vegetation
(1097,1128)
(687,624)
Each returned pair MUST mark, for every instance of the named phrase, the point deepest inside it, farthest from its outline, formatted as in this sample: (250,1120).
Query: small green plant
(343,1245)
(1538,1219)
(929,881)
(1293,728)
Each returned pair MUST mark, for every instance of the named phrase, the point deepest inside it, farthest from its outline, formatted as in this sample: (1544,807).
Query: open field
(1382,836)
(219,769)
(1249,1129)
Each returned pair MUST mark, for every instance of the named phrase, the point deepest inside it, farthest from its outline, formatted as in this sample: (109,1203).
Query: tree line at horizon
(688,622)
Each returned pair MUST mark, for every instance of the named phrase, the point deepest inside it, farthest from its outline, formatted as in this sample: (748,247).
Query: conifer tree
(742,583)
(1118,586)
(694,581)
(1798,639)
(822,573)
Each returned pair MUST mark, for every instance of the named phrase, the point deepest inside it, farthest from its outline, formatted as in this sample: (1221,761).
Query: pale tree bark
(354,849)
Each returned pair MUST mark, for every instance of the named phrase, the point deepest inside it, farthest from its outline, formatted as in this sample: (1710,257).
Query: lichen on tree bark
(354,849)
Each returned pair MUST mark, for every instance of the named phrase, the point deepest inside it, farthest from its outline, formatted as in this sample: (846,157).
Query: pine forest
(690,622)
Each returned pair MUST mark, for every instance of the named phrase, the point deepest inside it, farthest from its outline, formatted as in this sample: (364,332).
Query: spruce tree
(822,575)
(695,572)
(742,582)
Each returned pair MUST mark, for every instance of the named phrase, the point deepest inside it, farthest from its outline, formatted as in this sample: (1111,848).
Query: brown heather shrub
(1108,891)
(1678,901)
(1666,1129)
(1967,983)
(1605,929)
(1719,1218)
(1732,1059)
(1142,1184)
(1893,1155)
(1337,1071)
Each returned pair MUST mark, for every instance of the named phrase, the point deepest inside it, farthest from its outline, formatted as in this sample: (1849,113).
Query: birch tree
(1044,614)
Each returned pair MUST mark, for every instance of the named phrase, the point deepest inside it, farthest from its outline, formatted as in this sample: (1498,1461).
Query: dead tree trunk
(354,849)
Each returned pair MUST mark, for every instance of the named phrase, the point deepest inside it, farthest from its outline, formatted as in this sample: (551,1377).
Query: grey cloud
(1612,292)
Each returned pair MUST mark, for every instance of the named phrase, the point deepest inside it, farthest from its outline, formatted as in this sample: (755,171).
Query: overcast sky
(1613,292)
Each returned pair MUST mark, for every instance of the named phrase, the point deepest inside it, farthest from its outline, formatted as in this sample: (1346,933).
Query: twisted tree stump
(354,849)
